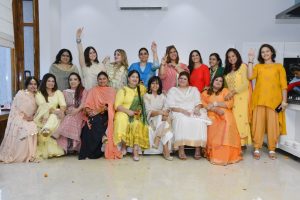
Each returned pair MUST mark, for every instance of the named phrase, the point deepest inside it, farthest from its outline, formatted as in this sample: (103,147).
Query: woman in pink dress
(68,133)
(170,68)
(20,140)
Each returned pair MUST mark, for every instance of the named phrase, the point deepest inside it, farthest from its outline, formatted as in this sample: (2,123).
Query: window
(5,75)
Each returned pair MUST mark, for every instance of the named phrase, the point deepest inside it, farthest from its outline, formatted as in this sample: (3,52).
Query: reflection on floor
(152,178)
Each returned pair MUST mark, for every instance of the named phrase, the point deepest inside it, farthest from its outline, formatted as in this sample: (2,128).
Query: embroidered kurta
(237,80)
(19,143)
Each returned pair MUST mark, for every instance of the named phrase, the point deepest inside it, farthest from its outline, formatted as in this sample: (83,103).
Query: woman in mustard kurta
(130,125)
(269,99)
(240,89)
(51,107)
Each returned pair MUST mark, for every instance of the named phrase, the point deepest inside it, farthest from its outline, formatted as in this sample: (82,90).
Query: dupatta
(98,97)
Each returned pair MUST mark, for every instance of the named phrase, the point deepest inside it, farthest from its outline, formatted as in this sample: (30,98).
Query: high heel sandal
(197,155)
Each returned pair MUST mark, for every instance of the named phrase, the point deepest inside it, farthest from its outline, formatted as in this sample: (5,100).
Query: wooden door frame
(18,51)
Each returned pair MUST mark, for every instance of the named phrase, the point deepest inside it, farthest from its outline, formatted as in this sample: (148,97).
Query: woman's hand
(72,111)
(218,111)
(185,112)
(164,60)
(251,55)
(154,47)
(284,105)
(229,96)
(130,113)
(78,33)
(106,60)
(27,118)
(59,113)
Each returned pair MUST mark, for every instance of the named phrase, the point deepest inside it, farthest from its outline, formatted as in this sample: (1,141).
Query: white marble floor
(153,178)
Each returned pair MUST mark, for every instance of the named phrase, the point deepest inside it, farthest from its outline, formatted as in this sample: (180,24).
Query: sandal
(272,155)
(135,153)
(197,155)
(181,155)
(256,155)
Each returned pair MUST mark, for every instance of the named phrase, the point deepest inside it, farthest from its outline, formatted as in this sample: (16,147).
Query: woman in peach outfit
(223,140)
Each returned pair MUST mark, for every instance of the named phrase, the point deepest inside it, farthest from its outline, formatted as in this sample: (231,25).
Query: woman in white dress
(89,63)
(160,134)
(189,119)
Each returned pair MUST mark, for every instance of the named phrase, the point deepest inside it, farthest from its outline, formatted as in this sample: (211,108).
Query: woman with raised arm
(200,77)
(145,68)
(20,138)
(51,110)
(89,63)
(223,140)
(130,125)
(62,68)
(69,131)
(269,99)
(235,74)
(170,68)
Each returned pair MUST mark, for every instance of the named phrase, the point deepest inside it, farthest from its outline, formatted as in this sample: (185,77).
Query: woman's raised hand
(79,32)
(164,60)
(251,55)
(154,47)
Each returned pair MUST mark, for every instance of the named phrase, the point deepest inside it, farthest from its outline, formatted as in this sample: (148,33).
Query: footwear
(203,152)
(46,132)
(272,155)
(169,158)
(256,155)
(197,155)
(135,153)
(124,152)
(182,156)
(136,158)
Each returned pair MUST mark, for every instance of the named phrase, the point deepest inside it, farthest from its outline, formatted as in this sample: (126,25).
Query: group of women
(114,109)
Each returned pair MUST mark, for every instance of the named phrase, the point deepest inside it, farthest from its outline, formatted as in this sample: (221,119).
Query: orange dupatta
(98,97)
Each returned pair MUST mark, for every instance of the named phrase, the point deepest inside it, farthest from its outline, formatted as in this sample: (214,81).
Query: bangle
(250,62)
(78,40)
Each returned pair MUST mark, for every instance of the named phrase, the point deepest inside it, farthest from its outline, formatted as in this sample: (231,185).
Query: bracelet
(78,40)
(250,62)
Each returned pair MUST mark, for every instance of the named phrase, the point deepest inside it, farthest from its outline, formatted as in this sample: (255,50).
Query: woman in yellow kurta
(269,99)
(235,73)
(48,116)
(130,125)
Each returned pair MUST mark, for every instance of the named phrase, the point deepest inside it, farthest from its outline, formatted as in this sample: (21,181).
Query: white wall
(210,26)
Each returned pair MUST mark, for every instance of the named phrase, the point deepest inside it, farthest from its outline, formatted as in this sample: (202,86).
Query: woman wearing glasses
(62,68)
